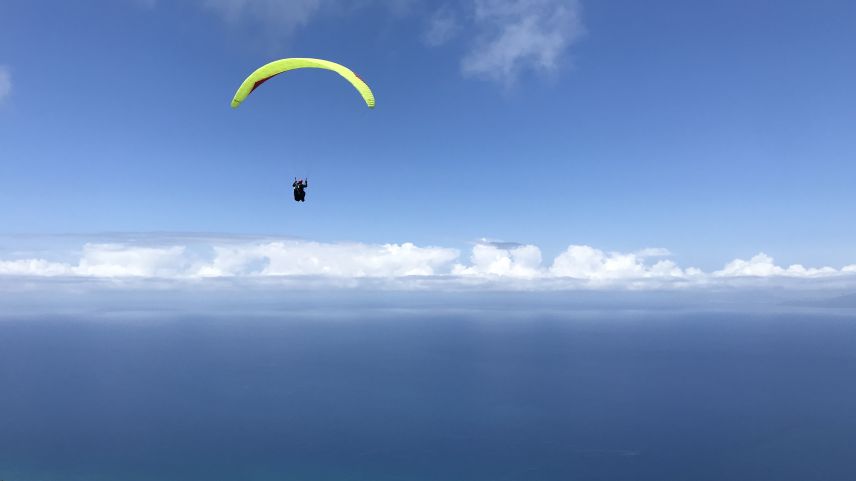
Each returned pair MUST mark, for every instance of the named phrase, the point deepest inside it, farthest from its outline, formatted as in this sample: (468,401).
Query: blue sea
(427,392)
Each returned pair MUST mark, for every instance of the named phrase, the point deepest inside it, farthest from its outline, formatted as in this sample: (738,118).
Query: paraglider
(272,69)
(300,187)
(266,72)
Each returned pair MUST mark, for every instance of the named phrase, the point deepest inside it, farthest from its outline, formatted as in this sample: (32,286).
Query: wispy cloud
(514,36)
(654,252)
(272,14)
(488,264)
(5,82)
(146,4)
(508,37)
(279,19)
(442,26)
(503,38)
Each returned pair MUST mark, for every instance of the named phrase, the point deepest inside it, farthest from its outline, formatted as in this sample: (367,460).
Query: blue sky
(716,130)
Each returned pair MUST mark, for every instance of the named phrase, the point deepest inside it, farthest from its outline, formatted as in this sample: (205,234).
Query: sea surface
(418,395)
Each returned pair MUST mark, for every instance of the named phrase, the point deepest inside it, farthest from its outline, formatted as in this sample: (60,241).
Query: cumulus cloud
(518,35)
(585,262)
(406,265)
(5,82)
(108,260)
(494,259)
(762,265)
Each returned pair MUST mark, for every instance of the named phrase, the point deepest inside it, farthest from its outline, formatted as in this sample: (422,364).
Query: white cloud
(303,258)
(35,267)
(762,265)
(5,82)
(585,262)
(406,265)
(489,259)
(262,258)
(117,260)
(518,35)
(108,260)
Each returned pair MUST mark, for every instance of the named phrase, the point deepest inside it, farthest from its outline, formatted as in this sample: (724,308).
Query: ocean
(429,395)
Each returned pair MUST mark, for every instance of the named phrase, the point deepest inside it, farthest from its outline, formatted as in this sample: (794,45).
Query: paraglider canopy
(272,69)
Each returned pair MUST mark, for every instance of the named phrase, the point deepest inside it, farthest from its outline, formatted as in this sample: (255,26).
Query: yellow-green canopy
(275,68)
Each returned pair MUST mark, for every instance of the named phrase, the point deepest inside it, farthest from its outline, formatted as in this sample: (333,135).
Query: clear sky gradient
(714,129)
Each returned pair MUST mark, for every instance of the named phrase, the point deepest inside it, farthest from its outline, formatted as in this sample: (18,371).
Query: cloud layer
(488,263)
